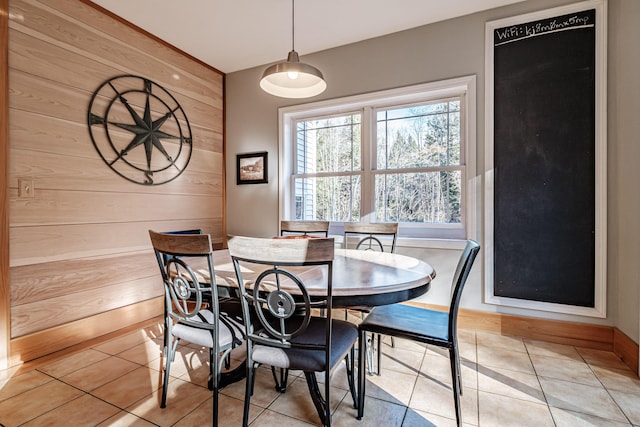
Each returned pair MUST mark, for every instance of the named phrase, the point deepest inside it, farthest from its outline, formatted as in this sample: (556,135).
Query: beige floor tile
(130,387)
(434,397)
(580,398)
(630,405)
(504,342)
(125,419)
(125,342)
(83,411)
(439,368)
(154,332)
(144,353)
(35,402)
(505,359)
(565,418)
(467,336)
(415,418)
(467,351)
(99,373)
(270,419)
(502,368)
(230,412)
(564,369)
(339,377)
(618,379)
(73,362)
(601,358)
(377,413)
(559,351)
(182,398)
(264,389)
(197,374)
(12,386)
(7,374)
(401,360)
(498,410)
(197,369)
(297,403)
(391,386)
(187,362)
(517,385)
(401,343)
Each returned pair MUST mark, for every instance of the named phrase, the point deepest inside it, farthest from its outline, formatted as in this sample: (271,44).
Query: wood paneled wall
(81,263)
(5,332)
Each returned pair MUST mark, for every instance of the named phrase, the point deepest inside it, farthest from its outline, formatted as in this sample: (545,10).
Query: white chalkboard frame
(600,297)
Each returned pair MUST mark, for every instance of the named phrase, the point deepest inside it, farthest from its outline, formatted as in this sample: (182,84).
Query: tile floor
(507,381)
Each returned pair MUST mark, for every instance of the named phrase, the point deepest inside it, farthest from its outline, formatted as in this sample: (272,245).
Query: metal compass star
(166,140)
(146,131)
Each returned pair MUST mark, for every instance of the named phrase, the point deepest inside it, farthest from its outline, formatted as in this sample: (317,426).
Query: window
(403,156)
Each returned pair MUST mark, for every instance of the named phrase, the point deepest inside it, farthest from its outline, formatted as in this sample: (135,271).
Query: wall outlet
(25,187)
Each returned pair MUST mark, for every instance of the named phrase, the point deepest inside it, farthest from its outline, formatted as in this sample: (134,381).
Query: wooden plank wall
(5,333)
(80,259)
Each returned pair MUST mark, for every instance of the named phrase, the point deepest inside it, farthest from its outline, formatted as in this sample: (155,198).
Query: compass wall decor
(140,130)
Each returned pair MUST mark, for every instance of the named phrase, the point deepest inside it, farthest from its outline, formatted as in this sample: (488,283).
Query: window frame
(463,87)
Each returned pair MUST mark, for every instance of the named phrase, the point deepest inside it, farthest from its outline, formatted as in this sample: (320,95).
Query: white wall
(439,51)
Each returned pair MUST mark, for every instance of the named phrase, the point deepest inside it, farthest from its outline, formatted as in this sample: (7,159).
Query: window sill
(419,242)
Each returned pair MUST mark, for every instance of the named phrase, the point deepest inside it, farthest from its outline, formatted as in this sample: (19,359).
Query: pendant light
(292,78)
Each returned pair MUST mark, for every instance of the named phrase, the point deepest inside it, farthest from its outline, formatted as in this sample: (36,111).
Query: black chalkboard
(544,157)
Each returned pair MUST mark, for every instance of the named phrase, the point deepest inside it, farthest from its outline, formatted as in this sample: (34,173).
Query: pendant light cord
(293,23)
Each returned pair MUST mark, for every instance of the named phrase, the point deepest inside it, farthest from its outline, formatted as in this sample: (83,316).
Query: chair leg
(210,384)
(379,367)
(362,356)
(457,351)
(350,362)
(280,380)
(321,404)
(215,383)
(248,392)
(170,350)
(371,348)
(456,383)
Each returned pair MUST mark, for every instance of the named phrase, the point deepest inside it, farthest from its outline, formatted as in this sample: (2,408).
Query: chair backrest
(278,297)
(460,276)
(370,235)
(179,232)
(305,228)
(186,293)
(191,231)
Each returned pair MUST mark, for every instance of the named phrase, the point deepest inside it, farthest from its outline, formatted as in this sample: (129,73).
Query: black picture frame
(252,168)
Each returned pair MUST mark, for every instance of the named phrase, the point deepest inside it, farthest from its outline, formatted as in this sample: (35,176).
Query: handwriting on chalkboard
(585,19)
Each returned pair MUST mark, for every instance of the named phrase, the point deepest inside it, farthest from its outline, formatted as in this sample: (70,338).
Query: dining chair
(304,228)
(371,237)
(288,330)
(165,257)
(294,230)
(423,325)
(192,311)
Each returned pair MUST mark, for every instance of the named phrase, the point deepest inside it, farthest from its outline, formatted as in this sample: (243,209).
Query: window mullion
(367,208)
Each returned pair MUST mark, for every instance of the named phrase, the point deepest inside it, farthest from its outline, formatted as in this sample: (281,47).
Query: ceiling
(232,35)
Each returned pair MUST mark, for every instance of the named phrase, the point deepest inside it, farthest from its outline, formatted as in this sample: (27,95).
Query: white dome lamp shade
(292,78)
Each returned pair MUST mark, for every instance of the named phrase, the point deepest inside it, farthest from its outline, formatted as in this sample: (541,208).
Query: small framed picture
(252,168)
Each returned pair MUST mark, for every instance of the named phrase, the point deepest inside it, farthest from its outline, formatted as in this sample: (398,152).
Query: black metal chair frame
(190,303)
(413,323)
(370,239)
(305,228)
(289,321)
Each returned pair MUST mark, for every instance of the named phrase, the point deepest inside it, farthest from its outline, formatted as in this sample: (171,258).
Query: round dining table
(360,278)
